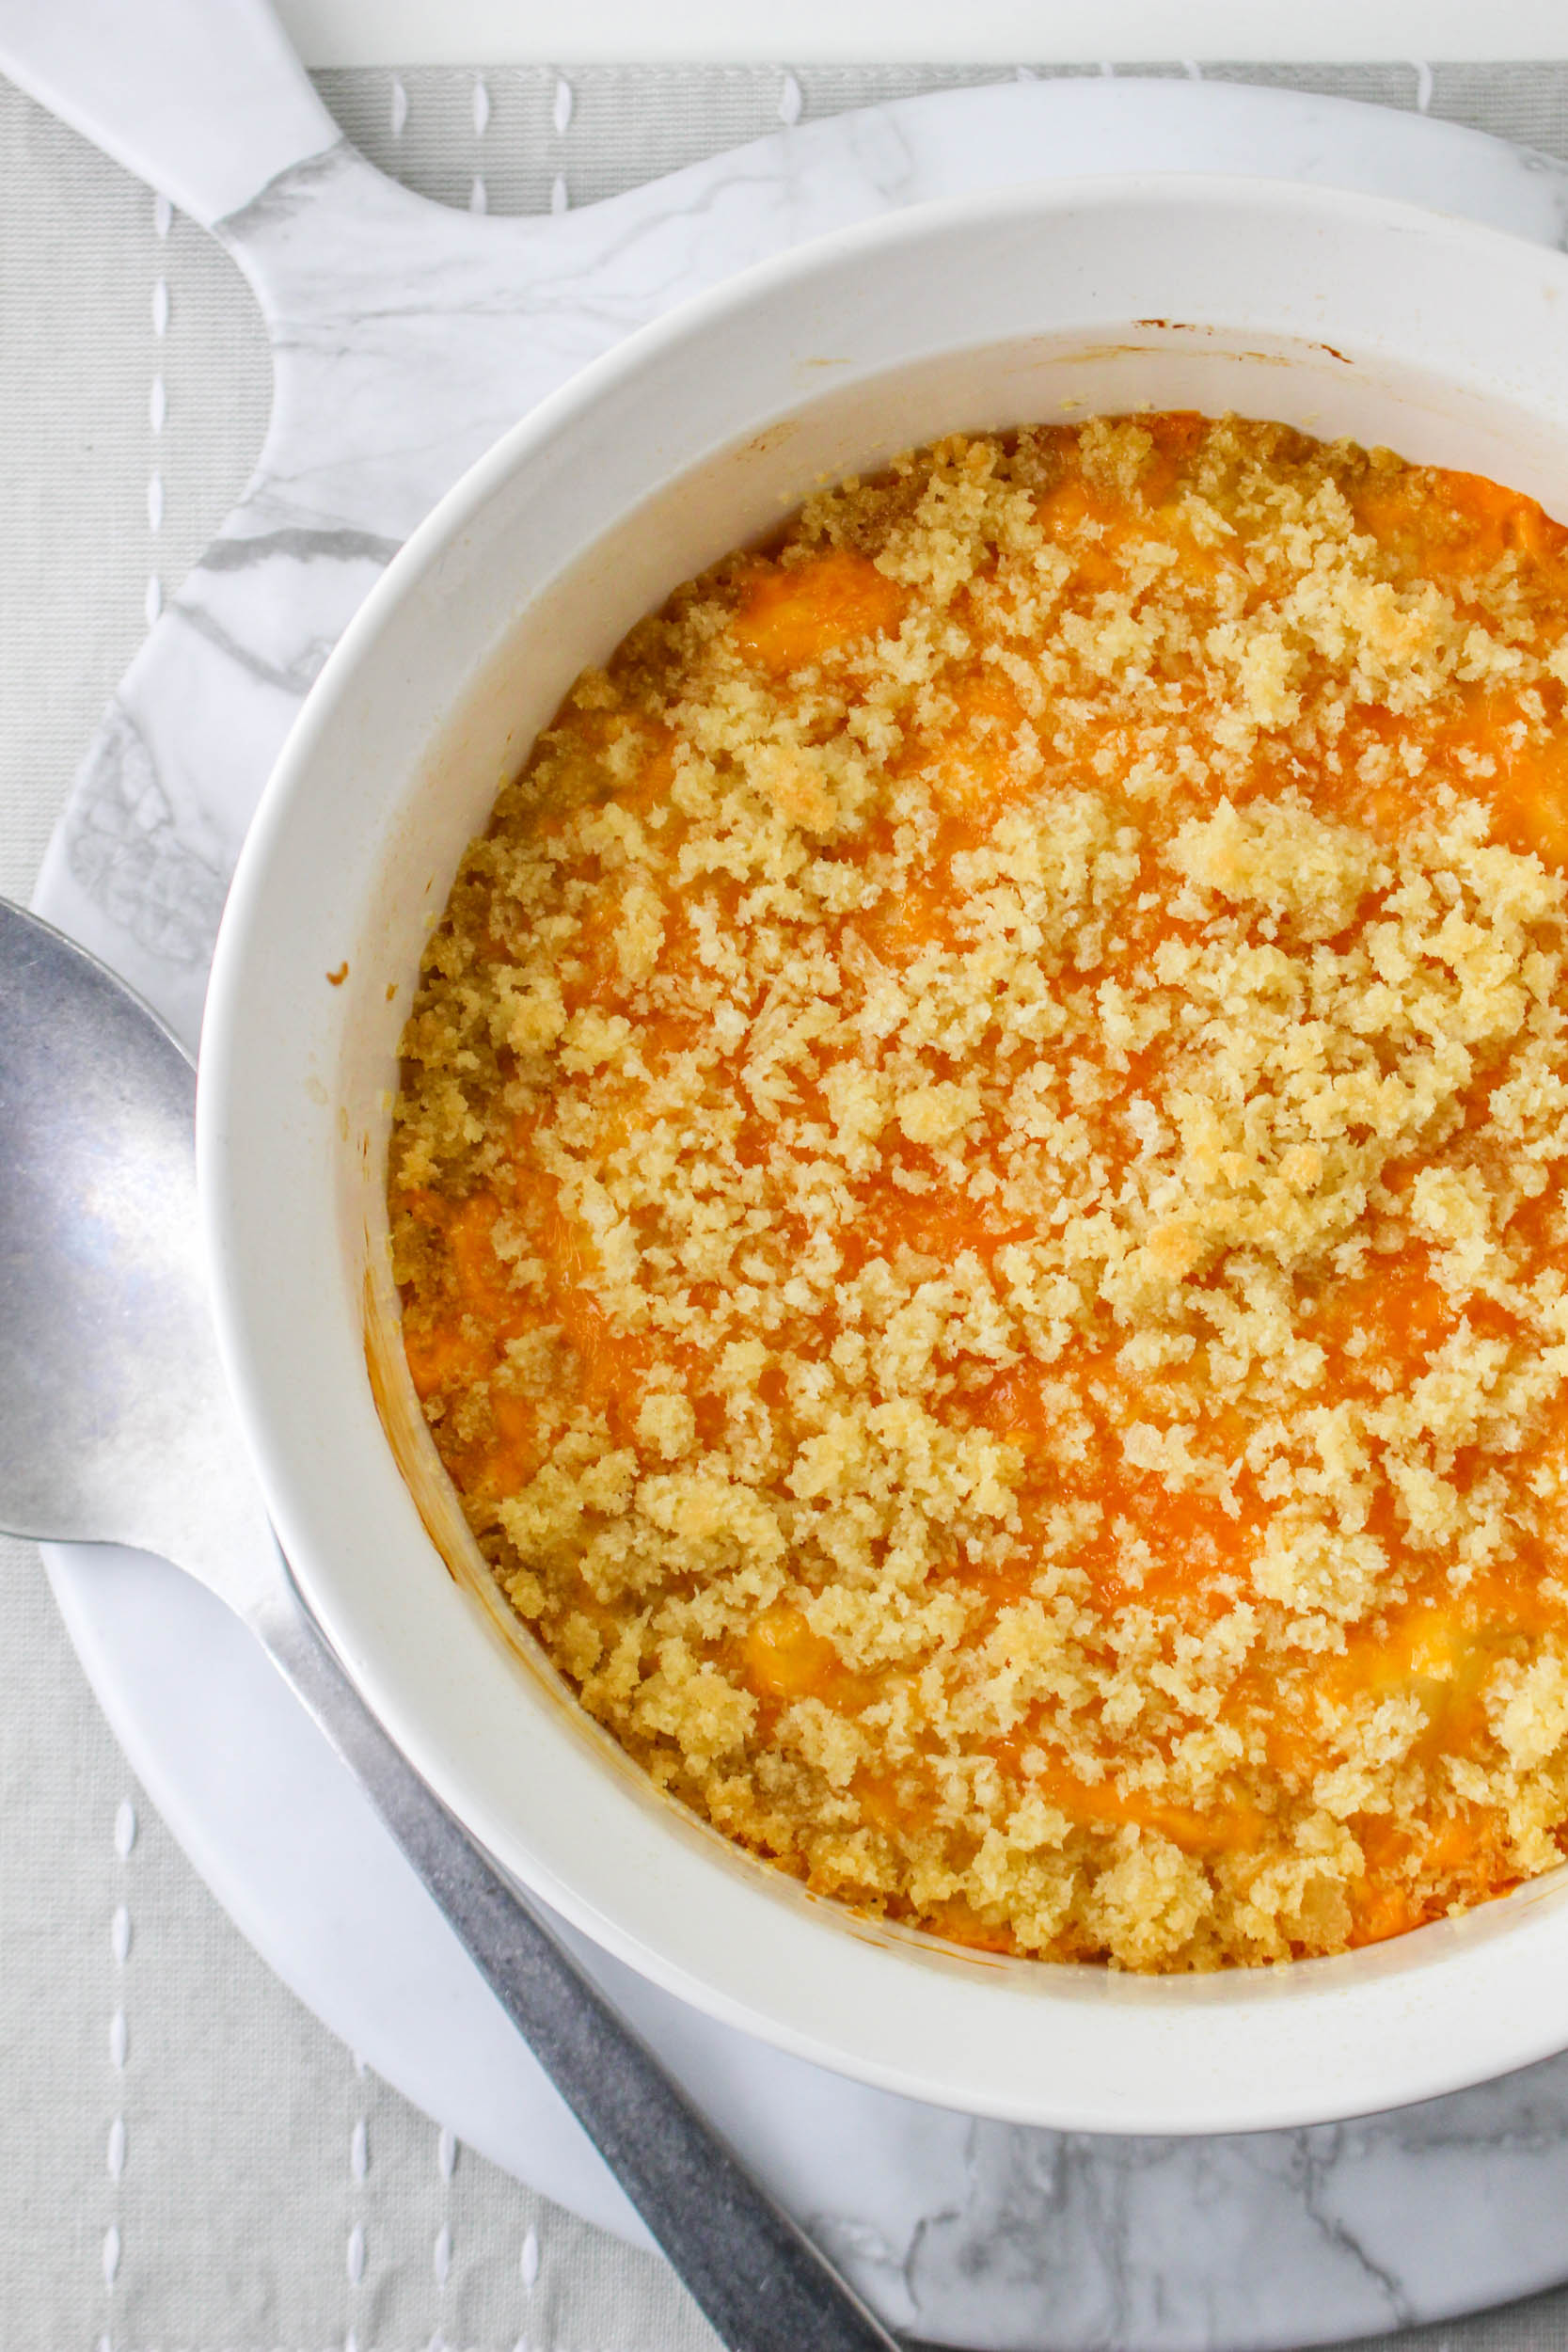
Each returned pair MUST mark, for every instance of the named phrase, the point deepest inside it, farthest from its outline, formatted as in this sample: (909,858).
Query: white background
(1063,32)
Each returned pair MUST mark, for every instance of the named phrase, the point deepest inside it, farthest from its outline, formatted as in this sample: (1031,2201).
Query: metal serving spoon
(116,1427)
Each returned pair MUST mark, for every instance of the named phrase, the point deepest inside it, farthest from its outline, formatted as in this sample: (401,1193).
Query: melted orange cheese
(978,1193)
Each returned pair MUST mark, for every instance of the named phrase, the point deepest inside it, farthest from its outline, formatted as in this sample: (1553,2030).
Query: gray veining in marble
(405,339)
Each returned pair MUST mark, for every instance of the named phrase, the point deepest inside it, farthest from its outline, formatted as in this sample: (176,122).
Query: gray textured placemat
(186,2158)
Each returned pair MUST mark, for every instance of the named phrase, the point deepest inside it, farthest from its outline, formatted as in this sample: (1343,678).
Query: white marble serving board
(405,337)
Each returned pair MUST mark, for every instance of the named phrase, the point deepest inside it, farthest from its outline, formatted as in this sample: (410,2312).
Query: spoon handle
(756,2275)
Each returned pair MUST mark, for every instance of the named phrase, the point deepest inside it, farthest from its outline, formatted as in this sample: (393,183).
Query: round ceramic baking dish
(1337,313)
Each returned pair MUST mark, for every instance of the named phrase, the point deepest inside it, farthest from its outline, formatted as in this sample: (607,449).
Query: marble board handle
(205,100)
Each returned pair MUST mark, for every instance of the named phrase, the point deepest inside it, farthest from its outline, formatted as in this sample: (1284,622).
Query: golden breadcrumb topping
(978,1193)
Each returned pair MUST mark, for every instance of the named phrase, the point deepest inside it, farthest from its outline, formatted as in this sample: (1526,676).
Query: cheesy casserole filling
(978,1193)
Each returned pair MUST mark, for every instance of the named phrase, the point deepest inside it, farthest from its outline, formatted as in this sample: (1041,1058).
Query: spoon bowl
(116,1421)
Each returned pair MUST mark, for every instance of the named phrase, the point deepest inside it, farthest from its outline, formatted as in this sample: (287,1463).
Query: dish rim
(223,1066)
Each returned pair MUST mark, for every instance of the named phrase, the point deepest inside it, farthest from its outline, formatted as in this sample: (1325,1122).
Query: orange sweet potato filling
(978,1193)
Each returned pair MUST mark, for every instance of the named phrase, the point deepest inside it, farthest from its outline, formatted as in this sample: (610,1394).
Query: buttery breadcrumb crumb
(978,1193)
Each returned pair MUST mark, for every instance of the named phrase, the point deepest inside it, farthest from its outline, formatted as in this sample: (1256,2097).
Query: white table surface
(185,2157)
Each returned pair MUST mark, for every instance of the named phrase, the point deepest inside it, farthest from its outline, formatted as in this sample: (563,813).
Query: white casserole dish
(1339,314)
